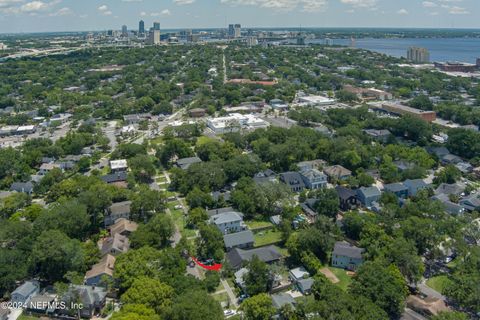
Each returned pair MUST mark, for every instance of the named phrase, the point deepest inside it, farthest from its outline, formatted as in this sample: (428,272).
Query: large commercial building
(235,30)
(315,101)
(124,31)
(236,122)
(418,55)
(458,66)
(141,27)
(156,26)
(401,109)
(154,37)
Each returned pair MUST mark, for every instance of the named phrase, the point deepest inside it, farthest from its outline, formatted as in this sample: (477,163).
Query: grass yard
(220,297)
(179,220)
(342,275)
(267,237)
(438,283)
(24,317)
(253,224)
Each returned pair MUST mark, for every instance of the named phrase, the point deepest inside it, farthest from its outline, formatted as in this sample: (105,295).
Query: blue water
(448,49)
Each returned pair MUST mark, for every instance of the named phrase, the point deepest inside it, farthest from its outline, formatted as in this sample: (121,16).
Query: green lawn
(341,274)
(253,224)
(438,283)
(221,297)
(267,237)
(24,317)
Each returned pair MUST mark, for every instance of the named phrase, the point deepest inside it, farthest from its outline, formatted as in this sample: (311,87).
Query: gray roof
(27,288)
(292,179)
(305,284)
(312,174)
(395,187)
(115,177)
(454,188)
(345,193)
(233,240)
(343,248)
(472,200)
(185,163)
(369,192)
(277,219)
(120,208)
(26,187)
(88,295)
(214,212)
(266,254)
(281,299)
(227,217)
(415,184)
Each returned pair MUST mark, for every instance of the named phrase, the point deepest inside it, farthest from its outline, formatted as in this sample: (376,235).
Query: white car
(229,313)
(178,207)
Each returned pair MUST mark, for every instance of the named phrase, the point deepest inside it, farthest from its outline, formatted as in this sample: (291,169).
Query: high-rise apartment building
(154,37)
(238,31)
(418,55)
(124,31)
(231,30)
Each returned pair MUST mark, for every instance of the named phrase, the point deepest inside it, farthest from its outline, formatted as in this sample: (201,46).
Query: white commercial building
(236,122)
(118,165)
(315,101)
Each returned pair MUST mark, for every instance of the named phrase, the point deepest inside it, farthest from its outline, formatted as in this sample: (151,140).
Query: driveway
(231,295)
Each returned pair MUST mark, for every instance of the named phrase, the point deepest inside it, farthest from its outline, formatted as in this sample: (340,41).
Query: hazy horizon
(27,16)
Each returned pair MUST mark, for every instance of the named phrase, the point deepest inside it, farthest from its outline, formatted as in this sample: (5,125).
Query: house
(118,165)
(214,212)
(218,196)
(124,227)
(368,195)
(116,211)
(398,189)
(276,220)
(472,202)
(281,299)
(414,186)
(239,278)
(197,113)
(305,285)
(265,176)
(379,135)
(118,179)
(451,189)
(229,222)
(185,163)
(346,256)
(47,167)
(114,245)
(298,274)
(348,198)
(237,257)
(313,164)
(464,167)
(314,179)
(293,180)
(42,304)
(4,312)
(91,298)
(104,268)
(242,239)
(403,165)
(450,159)
(449,206)
(308,207)
(25,187)
(25,292)
(337,172)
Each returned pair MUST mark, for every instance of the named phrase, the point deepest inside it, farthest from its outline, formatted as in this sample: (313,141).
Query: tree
(150,292)
(199,199)
(136,264)
(258,278)
(258,307)
(327,203)
(195,304)
(142,168)
(196,217)
(156,233)
(135,312)
(450,315)
(464,143)
(450,174)
(384,285)
(421,102)
(54,254)
(210,243)
(212,280)
(147,202)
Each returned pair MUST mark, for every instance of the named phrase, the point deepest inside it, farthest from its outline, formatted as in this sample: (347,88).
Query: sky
(92,15)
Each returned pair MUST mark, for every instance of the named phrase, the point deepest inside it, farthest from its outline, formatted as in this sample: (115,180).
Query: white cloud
(104,10)
(429,4)
(360,3)
(402,11)
(62,12)
(458,10)
(183,2)
(286,5)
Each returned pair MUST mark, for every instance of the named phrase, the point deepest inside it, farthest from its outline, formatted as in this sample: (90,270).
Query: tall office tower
(141,27)
(156,26)
(231,30)
(418,55)
(109,33)
(124,31)
(238,31)
(154,37)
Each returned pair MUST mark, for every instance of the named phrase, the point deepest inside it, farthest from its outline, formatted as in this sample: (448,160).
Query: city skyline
(70,15)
